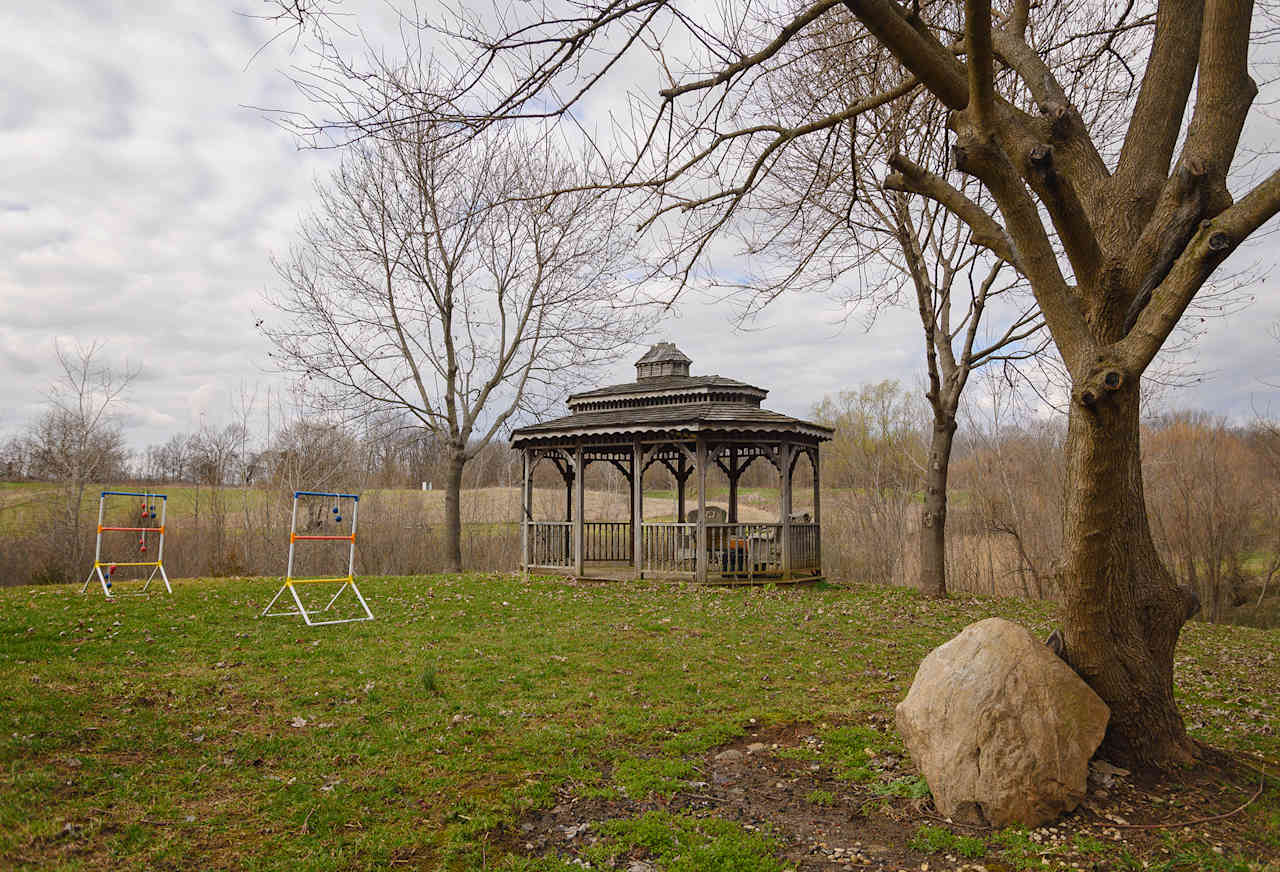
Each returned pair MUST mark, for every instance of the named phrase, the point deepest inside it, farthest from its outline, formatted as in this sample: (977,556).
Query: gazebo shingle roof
(664,384)
(669,403)
(700,417)
(664,352)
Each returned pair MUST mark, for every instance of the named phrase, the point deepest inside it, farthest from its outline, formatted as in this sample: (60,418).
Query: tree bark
(933,517)
(1123,610)
(453,512)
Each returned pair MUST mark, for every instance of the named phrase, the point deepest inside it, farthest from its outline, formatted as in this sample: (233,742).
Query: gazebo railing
(738,551)
(806,547)
(607,540)
(550,544)
(669,548)
(744,549)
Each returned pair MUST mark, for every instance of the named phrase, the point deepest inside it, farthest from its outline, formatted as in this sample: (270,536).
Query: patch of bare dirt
(751,781)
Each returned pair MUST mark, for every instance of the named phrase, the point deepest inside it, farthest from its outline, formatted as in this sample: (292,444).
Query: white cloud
(140,204)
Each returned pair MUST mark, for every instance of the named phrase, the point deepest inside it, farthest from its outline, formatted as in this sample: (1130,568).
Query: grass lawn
(482,722)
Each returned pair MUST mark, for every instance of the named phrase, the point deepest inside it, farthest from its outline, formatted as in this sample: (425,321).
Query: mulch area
(760,789)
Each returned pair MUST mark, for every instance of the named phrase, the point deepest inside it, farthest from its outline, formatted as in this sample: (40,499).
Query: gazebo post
(817,505)
(579,484)
(700,458)
(733,484)
(637,508)
(568,492)
(785,508)
(526,511)
(567,474)
(681,478)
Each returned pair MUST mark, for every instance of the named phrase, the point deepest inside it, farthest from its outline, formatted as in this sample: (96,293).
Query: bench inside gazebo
(691,426)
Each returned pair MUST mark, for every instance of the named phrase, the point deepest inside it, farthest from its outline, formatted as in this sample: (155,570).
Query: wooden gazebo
(687,424)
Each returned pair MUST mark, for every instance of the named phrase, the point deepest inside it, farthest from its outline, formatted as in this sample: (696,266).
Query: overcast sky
(141,203)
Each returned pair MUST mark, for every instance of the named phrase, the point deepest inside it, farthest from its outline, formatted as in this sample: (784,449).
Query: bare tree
(15,458)
(1203,504)
(1140,241)
(315,454)
(1137,204)
(1014,480)
(872,467)
(434,280)
(1267,447)
(1267,437)
(170,461)
(825,217)
(77,441)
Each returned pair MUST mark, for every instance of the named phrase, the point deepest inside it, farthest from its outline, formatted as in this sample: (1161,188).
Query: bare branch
(1211,245)
(916,48)
(980,62)
(810,15)
(986,232)
(1162,100)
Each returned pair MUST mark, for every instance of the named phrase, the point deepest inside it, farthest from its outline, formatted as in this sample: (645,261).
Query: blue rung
(297,494)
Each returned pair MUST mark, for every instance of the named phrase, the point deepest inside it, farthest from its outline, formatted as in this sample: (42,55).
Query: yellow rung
(345,579)
(149,563)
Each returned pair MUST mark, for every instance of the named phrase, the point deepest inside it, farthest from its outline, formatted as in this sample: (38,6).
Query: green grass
(184,732)
(939,840)
(686,844)
(912,787)
(850,751)
(645,778)
(821,797)
(1017,848)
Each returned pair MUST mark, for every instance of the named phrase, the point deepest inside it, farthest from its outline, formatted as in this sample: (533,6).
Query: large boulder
(1000,727)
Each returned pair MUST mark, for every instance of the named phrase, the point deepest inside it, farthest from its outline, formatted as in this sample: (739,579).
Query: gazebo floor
(621,571)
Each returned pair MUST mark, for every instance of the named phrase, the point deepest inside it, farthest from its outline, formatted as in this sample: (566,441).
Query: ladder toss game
(148,524)
(315,518)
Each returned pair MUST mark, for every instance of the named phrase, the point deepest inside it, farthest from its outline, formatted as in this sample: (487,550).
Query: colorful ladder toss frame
(345,582)
(145,528)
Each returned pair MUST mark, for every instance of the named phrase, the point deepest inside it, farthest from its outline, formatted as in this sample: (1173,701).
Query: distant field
(22,503)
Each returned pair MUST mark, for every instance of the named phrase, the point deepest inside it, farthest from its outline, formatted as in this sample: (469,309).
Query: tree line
(1213,495)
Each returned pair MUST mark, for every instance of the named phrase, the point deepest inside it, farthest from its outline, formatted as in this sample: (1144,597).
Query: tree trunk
(76,548)
(1123,610)
(453,512)
(933,517)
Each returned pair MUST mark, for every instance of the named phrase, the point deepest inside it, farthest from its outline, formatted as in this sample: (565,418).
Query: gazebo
(689,424)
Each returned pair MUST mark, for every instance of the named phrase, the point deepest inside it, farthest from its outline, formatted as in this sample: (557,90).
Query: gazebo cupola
(662,359)
(691,425)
